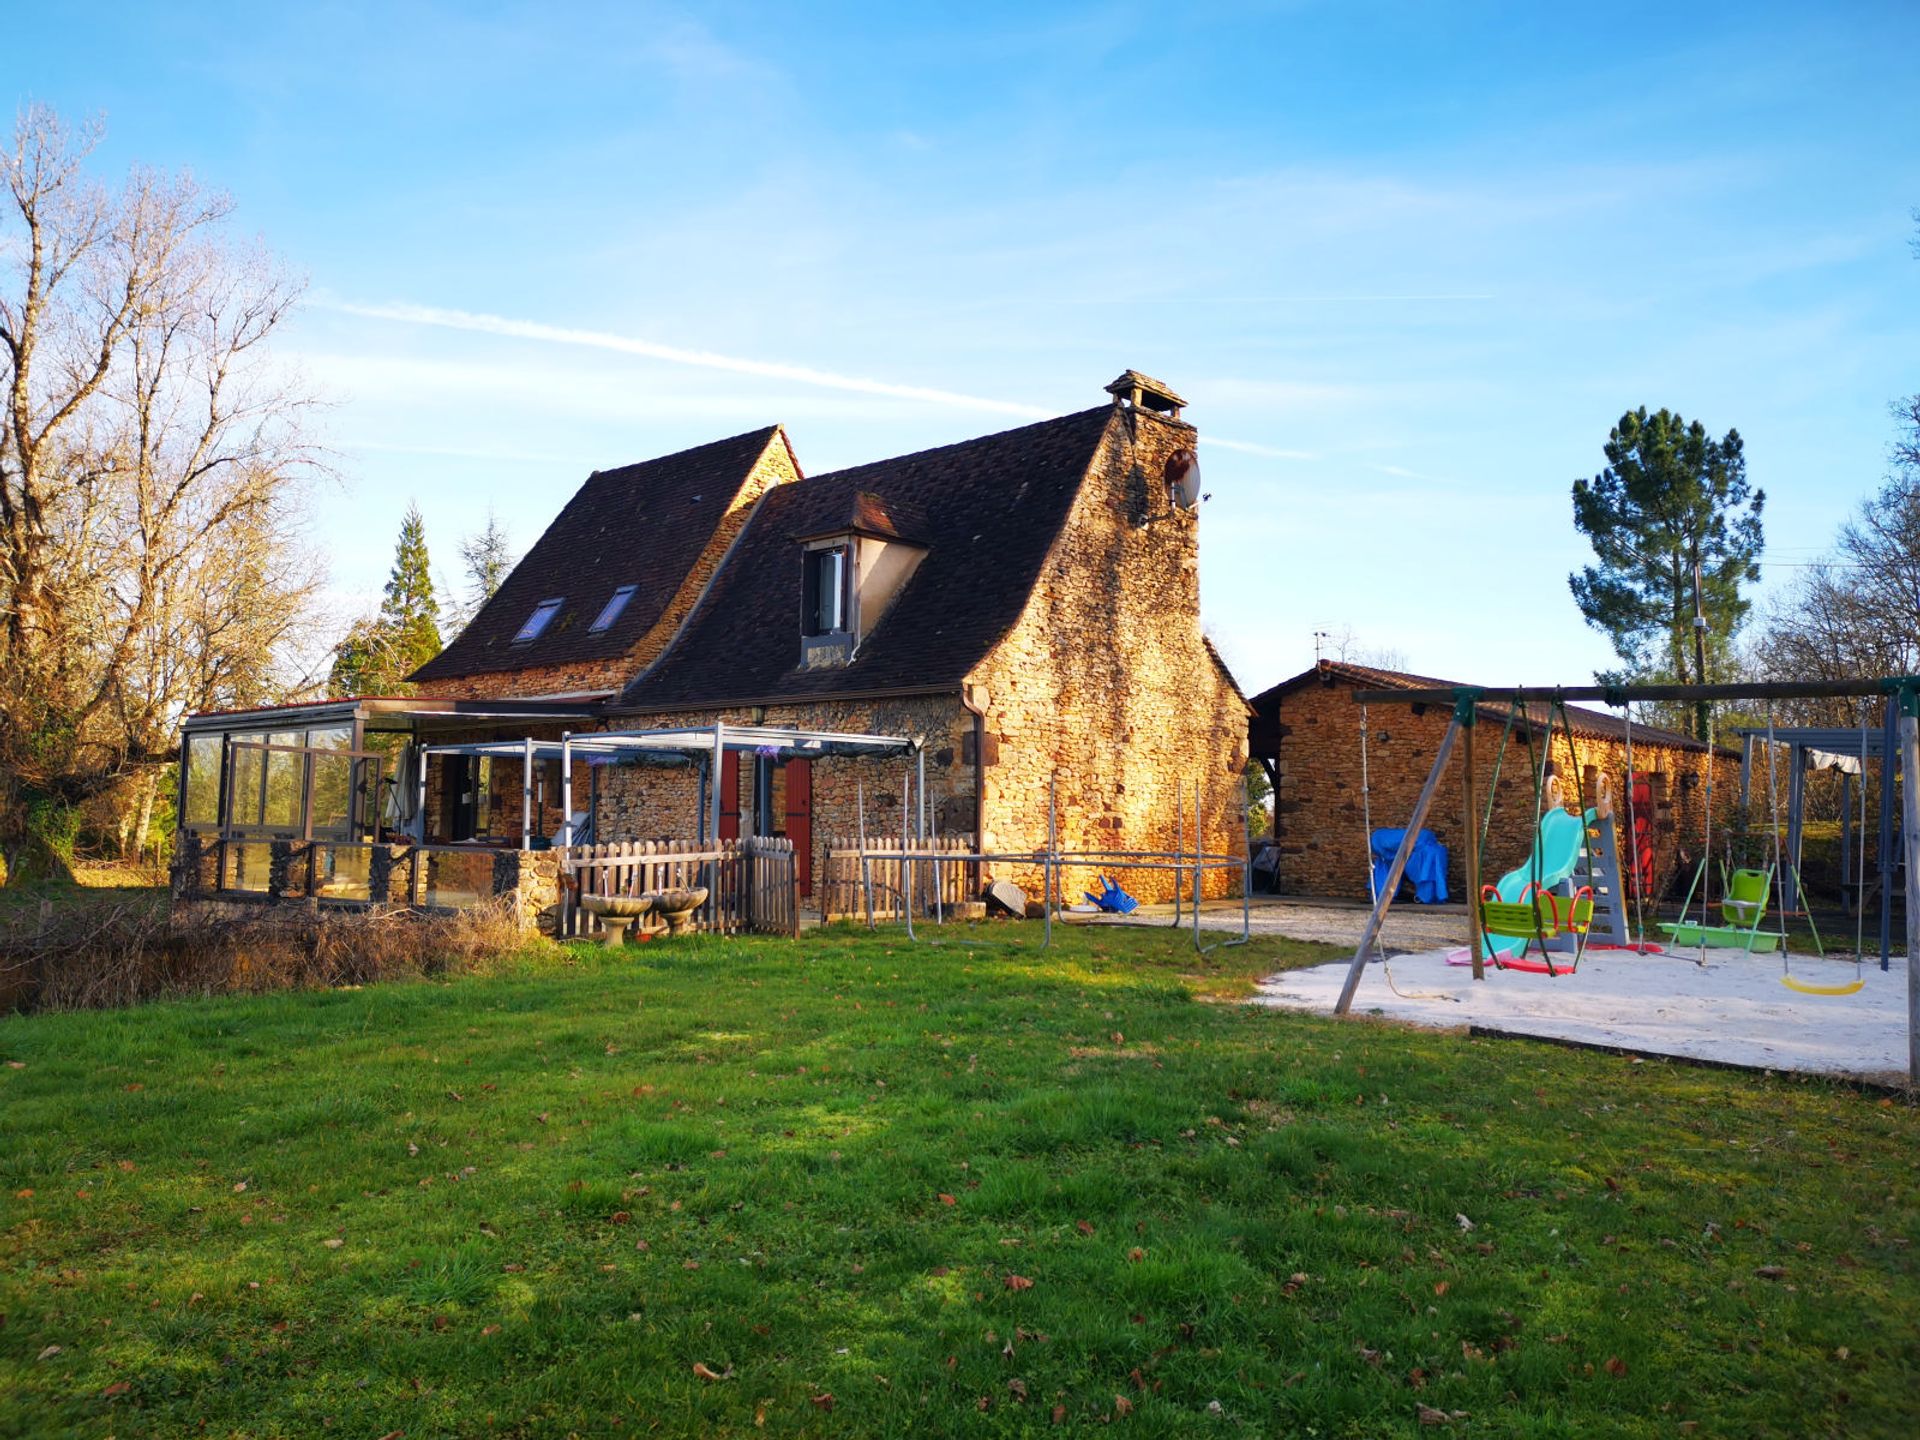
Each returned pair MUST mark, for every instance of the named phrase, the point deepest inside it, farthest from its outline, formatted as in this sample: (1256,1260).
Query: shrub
(84,955)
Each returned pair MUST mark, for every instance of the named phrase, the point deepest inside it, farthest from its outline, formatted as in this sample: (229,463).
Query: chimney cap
(1143,392)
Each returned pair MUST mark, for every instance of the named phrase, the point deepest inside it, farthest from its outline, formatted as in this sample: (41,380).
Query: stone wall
(1322,824)
(1107,688)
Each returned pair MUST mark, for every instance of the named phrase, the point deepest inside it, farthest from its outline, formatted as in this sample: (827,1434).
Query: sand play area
(1733,1010)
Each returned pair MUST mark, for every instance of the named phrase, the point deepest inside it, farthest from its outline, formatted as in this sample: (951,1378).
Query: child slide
(1556,851)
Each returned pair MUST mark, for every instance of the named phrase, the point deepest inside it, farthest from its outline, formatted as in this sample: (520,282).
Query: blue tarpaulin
(1426,866)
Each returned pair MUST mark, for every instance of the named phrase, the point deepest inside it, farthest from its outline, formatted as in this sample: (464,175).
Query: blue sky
(1407,261)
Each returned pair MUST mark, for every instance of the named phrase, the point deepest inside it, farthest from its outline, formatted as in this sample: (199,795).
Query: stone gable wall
(1322,824)
(1106,688)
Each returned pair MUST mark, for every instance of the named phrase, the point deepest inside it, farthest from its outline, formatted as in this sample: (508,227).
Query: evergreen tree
(377,655)
(1674,527)
(487,557)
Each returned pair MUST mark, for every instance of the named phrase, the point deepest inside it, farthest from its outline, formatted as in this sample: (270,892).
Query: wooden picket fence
(957,880)
(752,883)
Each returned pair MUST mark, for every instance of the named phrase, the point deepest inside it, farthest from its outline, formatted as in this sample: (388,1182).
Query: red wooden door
(730,795)
(799,819)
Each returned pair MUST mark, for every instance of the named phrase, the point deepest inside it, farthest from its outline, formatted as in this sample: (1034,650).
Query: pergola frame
(678,745)
(1901,691)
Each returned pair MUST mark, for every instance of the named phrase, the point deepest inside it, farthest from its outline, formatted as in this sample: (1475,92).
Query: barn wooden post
(1398,870)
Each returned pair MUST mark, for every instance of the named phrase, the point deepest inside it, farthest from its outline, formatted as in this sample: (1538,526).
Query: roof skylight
(538,621)
(610,612)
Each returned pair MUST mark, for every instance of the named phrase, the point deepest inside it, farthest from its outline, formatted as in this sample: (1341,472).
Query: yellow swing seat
(1851,987)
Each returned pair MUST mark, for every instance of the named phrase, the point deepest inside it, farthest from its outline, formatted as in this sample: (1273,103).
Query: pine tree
(487,557)
(1674,525)
(376,655)
(408,612)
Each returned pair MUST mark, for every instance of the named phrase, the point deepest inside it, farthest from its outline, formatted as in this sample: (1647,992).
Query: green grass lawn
(849,1186)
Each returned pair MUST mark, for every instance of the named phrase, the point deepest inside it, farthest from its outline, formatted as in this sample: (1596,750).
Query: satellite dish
(1182,476)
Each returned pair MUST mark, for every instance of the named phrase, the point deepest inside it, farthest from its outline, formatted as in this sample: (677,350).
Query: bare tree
(150,459)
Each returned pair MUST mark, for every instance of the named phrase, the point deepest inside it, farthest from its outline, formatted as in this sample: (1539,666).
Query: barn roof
(1592,724)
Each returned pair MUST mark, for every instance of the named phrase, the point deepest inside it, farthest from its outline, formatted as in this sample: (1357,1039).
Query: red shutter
(799,819)
(730,795)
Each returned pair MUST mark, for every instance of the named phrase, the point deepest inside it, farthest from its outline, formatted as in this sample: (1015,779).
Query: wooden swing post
(1397,871)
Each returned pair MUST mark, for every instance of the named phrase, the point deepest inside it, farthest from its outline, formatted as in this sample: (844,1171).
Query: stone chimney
(1142,392)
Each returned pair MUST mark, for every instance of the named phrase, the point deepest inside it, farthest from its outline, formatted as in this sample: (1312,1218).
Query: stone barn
(1307,732)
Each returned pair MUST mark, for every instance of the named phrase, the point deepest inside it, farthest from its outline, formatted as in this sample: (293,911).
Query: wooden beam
(1771,690)
(1384,900)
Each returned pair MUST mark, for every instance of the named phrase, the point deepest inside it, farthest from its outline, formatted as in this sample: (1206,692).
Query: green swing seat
(1743,907)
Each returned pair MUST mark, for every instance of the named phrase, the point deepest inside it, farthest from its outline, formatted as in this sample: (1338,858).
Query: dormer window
(610,612)
(538,621)
(824,591)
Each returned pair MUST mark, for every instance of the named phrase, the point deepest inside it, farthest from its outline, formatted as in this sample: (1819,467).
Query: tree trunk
(143,826)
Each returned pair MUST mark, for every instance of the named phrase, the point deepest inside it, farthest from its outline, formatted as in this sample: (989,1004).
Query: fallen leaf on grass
(1083,1227)
(1616,1367)
(946,1199)
(1059,1414)
(1136,1255)
(119,1387)
(333,1242)
(489,1329)
(49,1352)
(1430,1416)
(1771,1272)
(1122,1406)
(1019,1282)
(1441,1288)
(1017,1389)
(239,1185)
(822,1401)
(706,1372)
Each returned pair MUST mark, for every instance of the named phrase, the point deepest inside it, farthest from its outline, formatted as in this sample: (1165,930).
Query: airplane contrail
(445,319)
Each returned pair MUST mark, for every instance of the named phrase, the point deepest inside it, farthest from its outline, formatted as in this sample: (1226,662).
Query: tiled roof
(1594,724)
(987,511)
(642,525)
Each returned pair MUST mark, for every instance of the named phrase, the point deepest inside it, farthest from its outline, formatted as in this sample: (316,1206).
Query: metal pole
(920,764)
(1471,812)
(1746,767)
(1179,839)
(713,870)
(526,795)
(420,811)
(1796,816)
(906,866)
(1910,828)
(1046,869)
(1888,751)
(1397,871)
(1849,901)
(1199,864)
(866,867)
(566,789)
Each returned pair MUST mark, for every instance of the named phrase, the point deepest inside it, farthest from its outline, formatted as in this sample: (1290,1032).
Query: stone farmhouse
(1025,606)
(1307,729)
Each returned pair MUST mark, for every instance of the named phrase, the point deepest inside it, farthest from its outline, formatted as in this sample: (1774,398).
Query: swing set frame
(1902,693)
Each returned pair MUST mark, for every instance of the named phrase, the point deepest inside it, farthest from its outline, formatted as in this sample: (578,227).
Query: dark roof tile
(641,525)
(988,511)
